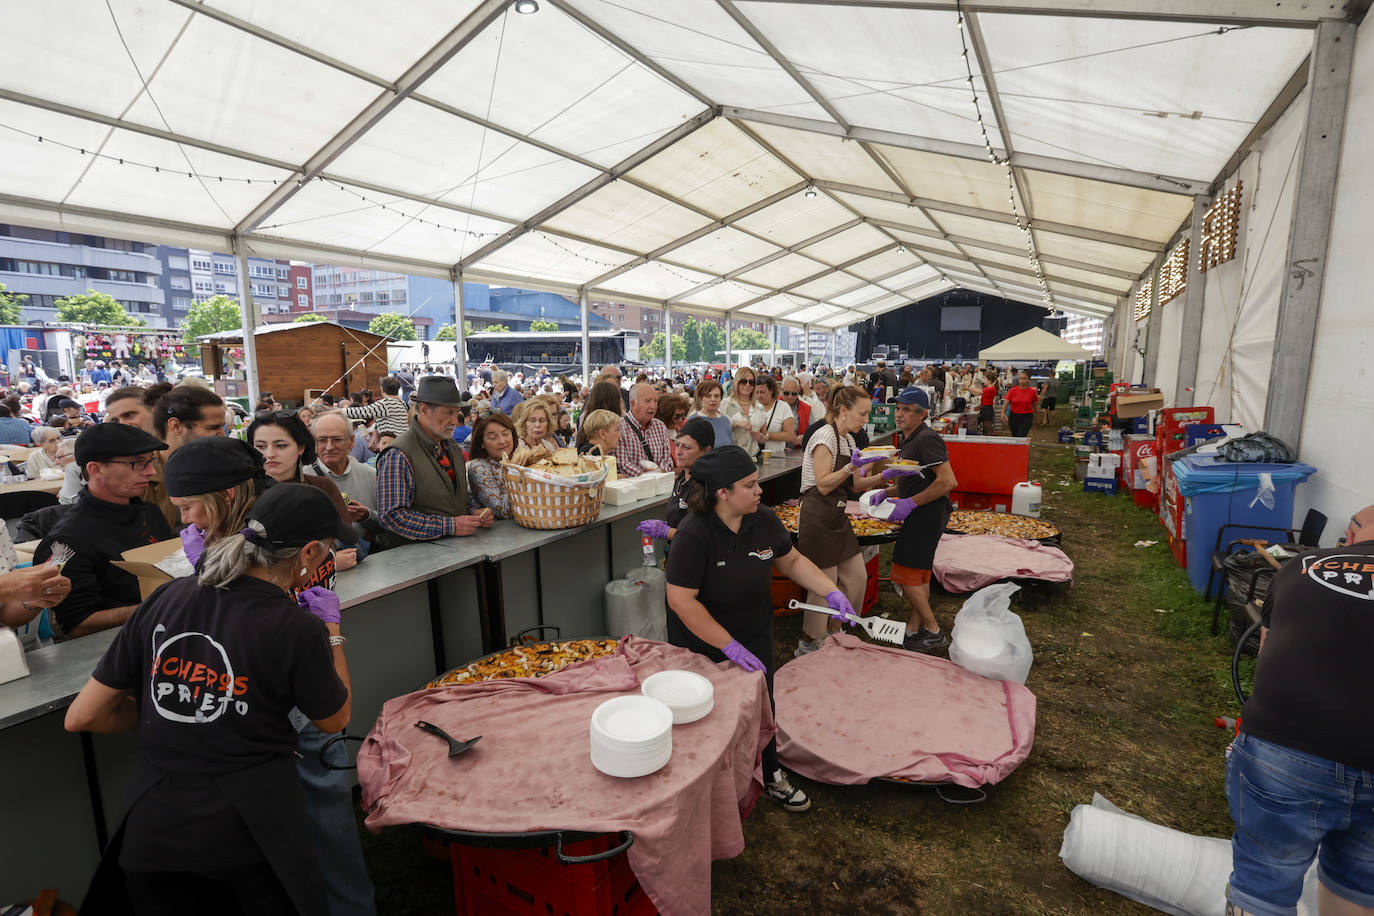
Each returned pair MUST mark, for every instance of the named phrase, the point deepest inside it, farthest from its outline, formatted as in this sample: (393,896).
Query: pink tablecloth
(533,771)
(967,562)
(855,711)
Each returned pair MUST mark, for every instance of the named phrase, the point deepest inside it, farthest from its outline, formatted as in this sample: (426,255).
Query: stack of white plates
(689,695)
(631,736)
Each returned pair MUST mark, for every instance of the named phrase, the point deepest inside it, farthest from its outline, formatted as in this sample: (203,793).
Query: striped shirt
(391,414)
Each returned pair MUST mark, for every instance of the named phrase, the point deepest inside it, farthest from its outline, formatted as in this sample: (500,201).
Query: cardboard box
(1139,402)
(142,562)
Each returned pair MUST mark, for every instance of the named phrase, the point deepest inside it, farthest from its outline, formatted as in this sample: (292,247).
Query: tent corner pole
(586,338)
(729,332)
(460,343)
(249,313)
(667,341)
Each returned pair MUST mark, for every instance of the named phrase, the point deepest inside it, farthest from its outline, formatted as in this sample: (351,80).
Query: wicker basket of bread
(559,489)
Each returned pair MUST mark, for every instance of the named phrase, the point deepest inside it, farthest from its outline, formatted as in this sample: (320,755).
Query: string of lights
(1022,219)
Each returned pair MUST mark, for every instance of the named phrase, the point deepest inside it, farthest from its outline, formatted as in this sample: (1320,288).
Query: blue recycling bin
(1224,492)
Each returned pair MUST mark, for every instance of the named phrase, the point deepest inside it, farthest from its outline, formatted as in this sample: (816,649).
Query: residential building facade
(47,265)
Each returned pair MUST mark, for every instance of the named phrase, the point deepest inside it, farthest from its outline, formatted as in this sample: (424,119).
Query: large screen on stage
(961,318)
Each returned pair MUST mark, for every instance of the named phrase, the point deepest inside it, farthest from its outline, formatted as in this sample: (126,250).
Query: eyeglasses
(274,415)
(331,440)
(791,394)
(680,415)
(745,381)
(135,465)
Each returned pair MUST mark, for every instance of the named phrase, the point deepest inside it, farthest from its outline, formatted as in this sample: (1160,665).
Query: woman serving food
(694,439)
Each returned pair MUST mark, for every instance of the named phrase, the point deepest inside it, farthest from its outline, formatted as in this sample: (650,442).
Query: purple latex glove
(859,460)
(743,657)
(840,605)
(193,543)
(901,508)
(653,527)
(321,602)
(892,474)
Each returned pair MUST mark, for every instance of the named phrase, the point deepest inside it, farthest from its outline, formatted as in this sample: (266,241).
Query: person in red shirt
(1021,402)
(986,403)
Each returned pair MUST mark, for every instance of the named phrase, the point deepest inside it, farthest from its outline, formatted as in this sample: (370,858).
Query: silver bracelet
(337,640)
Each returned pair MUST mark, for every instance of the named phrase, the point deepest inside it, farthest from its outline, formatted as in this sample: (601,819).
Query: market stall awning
(1037,343)
(812,162)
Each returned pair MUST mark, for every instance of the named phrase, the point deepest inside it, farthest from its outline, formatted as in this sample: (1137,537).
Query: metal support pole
(729,347)
(460,343)
(1300,304)
(773,340)
(667,341)
(586,341)
(249,311)
(1190,343)
(806,347)
(1154,327)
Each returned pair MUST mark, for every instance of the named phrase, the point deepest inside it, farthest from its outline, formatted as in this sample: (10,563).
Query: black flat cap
(294,514)
(114,440)
(210,465)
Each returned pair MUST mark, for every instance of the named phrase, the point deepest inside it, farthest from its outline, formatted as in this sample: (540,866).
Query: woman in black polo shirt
(719,574)
(206,671)
(694,439)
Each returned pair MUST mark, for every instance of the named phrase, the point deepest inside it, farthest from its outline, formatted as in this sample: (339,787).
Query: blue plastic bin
(1221,492)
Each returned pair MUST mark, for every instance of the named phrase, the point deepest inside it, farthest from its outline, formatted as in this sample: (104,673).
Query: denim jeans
(1289,806)
(329,802)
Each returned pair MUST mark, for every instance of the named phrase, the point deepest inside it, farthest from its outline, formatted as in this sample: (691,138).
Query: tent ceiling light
(810,191)
(527,6)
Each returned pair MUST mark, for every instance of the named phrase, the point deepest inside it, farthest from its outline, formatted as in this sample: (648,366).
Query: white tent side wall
(1242,300)
(1171,331)
(1337,436)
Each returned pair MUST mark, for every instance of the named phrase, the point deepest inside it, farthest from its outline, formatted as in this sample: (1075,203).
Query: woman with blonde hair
(600,428)
(534,422)
(213,482)
(740,409)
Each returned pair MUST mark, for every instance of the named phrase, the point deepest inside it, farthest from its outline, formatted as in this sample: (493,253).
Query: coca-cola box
(1141,468)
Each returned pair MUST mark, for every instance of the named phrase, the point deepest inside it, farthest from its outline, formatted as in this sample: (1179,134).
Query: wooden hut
(299,361)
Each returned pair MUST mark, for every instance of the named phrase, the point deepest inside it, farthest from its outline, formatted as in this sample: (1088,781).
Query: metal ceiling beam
(1211,12)
(634,160)
(722,223)
(1017,269)
(1168,184)
(768,259)
(487,12)
(1004,249)
(996,216)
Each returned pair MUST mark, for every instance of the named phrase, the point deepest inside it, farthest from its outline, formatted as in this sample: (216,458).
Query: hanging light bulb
(525,7)
(810,191)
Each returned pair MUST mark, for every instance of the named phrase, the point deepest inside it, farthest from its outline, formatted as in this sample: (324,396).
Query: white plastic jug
(1025,498)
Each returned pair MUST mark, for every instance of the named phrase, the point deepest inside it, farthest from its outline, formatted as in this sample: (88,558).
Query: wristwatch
(337,640)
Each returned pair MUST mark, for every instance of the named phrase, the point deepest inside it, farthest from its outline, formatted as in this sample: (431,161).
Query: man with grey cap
(422,485)
(109,517)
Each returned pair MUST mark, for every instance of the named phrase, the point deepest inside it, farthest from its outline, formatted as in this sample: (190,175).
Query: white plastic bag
(1265,493)
(637,605)
(990,640)
(1173,872)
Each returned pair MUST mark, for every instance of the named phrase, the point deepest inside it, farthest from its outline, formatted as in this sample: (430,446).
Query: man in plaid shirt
(643,437)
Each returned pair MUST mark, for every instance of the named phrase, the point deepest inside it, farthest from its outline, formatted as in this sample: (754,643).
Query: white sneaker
(780,787)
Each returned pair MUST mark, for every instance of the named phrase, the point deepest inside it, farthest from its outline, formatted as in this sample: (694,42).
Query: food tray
(874,530)
(554,654)
(980,521)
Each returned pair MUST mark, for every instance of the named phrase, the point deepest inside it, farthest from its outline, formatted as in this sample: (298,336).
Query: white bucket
(1025,499)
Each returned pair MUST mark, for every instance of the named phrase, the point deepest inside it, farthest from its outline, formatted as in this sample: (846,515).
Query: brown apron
(824,534)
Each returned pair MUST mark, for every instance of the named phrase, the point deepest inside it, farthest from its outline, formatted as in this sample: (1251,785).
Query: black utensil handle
(518,638)
(627,839)
(333,741)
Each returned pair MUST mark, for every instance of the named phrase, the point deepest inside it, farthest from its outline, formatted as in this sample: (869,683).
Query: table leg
(436,628)
(102,833)
(491,605)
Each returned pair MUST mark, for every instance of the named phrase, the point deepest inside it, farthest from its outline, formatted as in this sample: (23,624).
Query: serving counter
(409,613)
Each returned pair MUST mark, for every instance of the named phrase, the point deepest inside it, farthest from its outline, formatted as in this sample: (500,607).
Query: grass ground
(1128,680)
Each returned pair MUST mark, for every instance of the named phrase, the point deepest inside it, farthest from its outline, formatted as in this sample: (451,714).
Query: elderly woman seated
(493,438)
(44,455)
(534,423)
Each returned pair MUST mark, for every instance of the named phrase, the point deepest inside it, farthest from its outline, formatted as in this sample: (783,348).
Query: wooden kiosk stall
(318,357)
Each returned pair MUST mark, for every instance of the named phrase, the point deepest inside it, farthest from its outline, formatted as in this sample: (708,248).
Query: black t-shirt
(731,572)
(926,446)
(1316,673)
(215,673)
(98,532)
(677,503)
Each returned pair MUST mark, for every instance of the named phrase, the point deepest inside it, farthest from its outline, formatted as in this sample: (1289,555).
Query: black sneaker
(780,787)
(925,641)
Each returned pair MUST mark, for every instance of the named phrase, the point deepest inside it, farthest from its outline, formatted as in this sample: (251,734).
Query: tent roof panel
(624,215)
(718,168)
(825,158)
(925,242)
(830,285)
(723,296)
(656,280)
(969,182)
(787,269)
(796,219)
(972,227)
(1066,246)
(546,257)
(848,244)
(882,264)
(774,307)
(876,208)
(722,251)
(1135,212)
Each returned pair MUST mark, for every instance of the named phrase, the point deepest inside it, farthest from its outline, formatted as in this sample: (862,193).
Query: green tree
(495,329)
(655,348)
(691,340)
(218,313)
(393,325)
(748,339)
(539,324)
(308,317)
(712,340)
(92,307)
(11,304)
(446,331)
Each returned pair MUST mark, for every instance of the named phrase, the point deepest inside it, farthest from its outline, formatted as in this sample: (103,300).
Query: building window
(202,264)
(224,267)
(263,291)
(221,288)
(179,282)
(203,286)
(300,283)
(283,292)
(303,300)
(283,273)
(178,262)
(181,303)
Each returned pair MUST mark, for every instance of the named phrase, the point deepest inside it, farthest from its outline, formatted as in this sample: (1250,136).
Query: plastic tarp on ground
(1037,343)
(807,162)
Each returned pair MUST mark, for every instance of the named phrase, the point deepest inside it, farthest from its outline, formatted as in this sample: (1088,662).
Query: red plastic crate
(1145,499)
(997,502)
(532,882)
(988,464)
(1179,548)
(1173,419)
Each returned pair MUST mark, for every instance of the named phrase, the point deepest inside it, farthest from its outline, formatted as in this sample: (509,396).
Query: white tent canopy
(809,162)
(1037,343)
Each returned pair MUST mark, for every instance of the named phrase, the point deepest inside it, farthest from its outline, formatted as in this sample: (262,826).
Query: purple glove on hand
(193,543)
(653,527)
(321,602)
(901,509)
(858,460)
(743,657)
(840,605)
(892,474)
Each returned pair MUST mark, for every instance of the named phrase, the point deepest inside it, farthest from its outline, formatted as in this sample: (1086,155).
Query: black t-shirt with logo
(927,447)
(1316,672)
(215,673)
(732,574)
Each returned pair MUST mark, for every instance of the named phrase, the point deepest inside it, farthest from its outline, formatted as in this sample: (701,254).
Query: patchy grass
(1126,697)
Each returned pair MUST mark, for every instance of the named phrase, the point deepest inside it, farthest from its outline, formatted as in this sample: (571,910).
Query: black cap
(114,440)
(722,467)
(699,431)
(64,403)
(294,514)
(209,465)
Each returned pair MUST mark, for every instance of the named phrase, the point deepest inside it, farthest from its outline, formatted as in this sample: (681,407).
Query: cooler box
(1170,500)
(1221,492)
(1194,433)
(989,464)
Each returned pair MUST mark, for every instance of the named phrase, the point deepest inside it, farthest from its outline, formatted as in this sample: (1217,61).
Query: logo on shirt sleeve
(1348,574)
(764,554)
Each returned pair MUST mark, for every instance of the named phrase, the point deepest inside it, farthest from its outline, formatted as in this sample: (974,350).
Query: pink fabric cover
(855,711)
(967,562)
(533,771)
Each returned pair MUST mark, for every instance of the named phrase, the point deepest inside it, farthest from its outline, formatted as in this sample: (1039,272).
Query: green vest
(435,494)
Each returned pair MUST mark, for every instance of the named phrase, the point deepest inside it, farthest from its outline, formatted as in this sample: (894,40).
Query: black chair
(1308,536)
(35,525)
(15,504)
